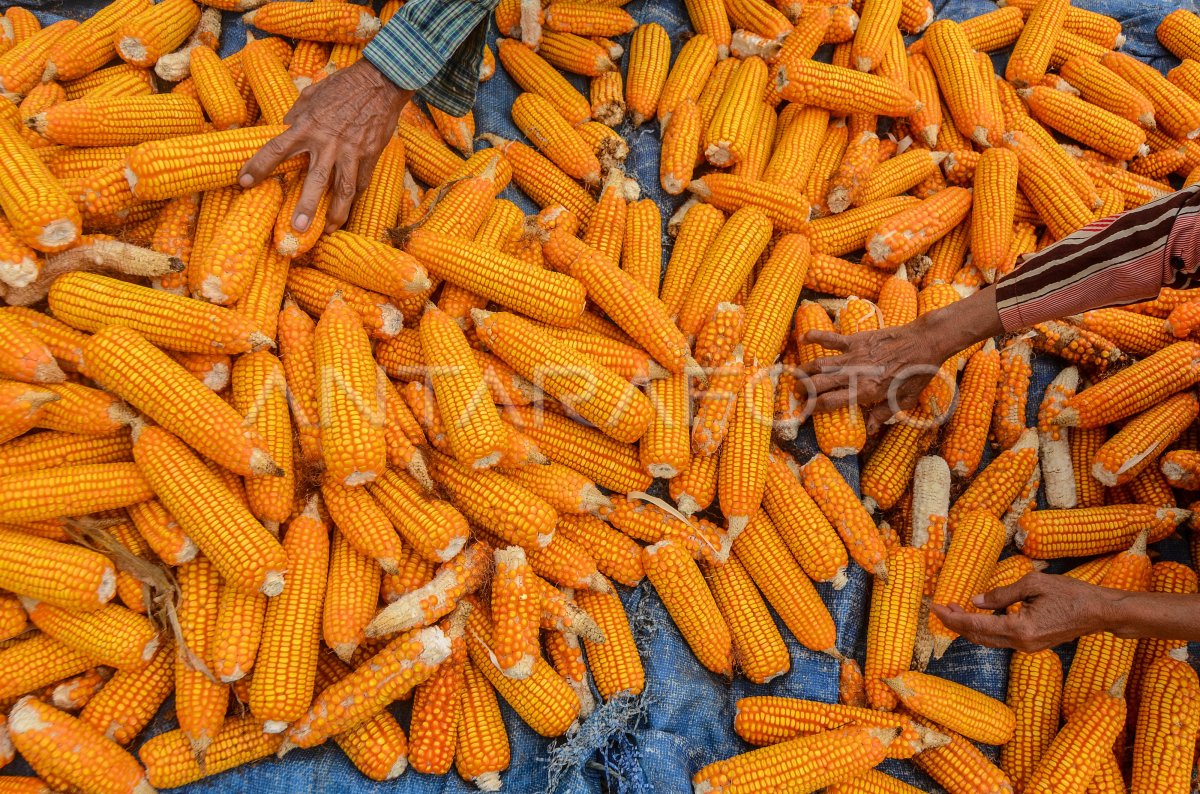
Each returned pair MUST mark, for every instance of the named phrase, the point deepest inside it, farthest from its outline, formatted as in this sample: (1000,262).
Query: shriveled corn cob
(914,229)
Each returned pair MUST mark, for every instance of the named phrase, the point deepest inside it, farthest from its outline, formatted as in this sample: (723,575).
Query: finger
(971,624)
(1002,597)
(827,339)
(344,191)
(877,417)
(267,159)
(316,182)
(828,381)
(823,364)
(831,401)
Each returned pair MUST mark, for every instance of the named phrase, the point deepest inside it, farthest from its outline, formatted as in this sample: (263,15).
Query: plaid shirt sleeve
(435,47)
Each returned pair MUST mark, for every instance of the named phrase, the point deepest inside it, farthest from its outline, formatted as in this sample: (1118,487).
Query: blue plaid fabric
(436,47)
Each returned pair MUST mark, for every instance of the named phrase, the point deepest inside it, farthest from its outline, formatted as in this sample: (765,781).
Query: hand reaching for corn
(342,123)
(887,370)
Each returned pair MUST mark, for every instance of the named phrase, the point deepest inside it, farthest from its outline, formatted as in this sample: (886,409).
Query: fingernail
(977,600)
(300,223)
(245,180)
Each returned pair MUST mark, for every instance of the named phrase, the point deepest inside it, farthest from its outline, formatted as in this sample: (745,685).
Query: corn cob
(286,670)
(766,558)
(1034,695)
(543,700)
(969,559)
(1096,406)
(765,721)
(336,23)
(913,230)
(1104,659)
(542,124)
(1117,463)
(1105,89)
(1175,112)
(1032,52)
(36,206)
(731,131)
(483,750)
(21,66)
(949,53)
(617,556)
(960,766)
(687,76)
(758,647)
(836,500)
(33,663)
(678,581)
(112,635)
(184,484)
(516,615)
(169,760)
(69,752)
(1165,577)
(156,31)
(1076,754)
(130,699)
(847,232)
(89,45)
(1167,719)
(609,463)
(235,638)
(1051,534)
(741,472)
(201,702)
(975,715)
(844,753)
(633,307)
(196,163)
(892,629)
(700,228)
(732,192)
(841,90)
(534,74)
(649,62)
(641,255)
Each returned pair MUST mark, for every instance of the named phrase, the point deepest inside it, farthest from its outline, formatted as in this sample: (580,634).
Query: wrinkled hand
(1054,610)
(342,123)
(884,371)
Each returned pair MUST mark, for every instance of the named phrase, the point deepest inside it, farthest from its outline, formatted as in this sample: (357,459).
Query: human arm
(1114,261)
(344,121)
(1057,609)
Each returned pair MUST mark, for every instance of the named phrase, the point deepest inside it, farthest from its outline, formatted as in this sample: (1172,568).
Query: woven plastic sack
(655,743)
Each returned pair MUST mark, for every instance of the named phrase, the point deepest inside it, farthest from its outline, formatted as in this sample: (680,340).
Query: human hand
(884,371)
(887,370)
(342,123)
(1054,610)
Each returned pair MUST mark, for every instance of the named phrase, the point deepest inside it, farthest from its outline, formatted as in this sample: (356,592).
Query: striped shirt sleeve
(435,47)
(1110,262)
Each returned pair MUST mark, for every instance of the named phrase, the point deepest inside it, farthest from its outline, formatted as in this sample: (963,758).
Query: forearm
(1161,615)
(961,324)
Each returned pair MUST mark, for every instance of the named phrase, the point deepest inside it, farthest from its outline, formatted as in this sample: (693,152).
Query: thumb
(829,339)
(1003,597)
(877,416)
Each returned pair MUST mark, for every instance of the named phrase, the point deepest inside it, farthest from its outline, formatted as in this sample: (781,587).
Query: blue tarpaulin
(684,720)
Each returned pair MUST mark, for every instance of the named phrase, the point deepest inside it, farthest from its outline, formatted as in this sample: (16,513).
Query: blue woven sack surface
(655,743)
